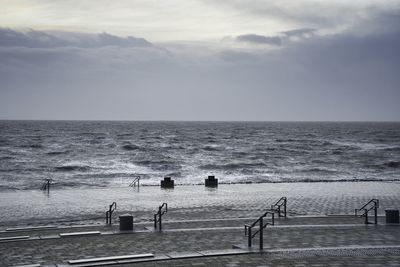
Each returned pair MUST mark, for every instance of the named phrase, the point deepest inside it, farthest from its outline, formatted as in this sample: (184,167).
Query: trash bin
(126,222)
(211,181)
(167,183)
(392,215)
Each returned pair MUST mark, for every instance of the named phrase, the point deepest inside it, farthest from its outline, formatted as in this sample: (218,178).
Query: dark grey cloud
(259,39)
(40,39)
(278,39)
(352,75)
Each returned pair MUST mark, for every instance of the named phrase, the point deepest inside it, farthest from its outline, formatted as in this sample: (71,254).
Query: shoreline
(322,181)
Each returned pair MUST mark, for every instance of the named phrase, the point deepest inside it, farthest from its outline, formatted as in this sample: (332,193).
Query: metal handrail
(366,209)
(374,200)
(260,221)
(277,206)
(135,180)
(46,184)
(110,211)
(159,214)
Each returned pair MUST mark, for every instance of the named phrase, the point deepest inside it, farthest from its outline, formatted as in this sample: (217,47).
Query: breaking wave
(70,168)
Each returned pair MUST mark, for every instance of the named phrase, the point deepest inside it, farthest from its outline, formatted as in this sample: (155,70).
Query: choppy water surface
(81,154)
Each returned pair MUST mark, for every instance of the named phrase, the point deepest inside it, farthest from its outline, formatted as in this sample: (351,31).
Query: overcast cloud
(322,68)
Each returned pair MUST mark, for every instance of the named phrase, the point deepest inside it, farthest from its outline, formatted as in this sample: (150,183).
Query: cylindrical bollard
(126,222)
(392,215)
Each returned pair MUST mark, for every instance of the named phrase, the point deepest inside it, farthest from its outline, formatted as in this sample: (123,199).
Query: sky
(236,60)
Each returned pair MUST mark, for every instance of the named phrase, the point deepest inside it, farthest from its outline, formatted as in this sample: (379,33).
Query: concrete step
(111,259)
(12,238)
(79,234)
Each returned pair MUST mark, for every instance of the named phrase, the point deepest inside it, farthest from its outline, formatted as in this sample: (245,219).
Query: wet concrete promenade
(339,234)
(212,235)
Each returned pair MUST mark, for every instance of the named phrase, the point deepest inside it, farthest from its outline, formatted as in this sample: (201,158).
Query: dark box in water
(211,181)
(392,215)
(167,183)
(126,222)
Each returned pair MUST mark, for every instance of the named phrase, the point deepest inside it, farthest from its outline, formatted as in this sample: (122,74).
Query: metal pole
(285,203)
(109,212)
(366,217)
(159,219)
(261,233)
(160,222)
(376,214)
(155,221)
(249,237)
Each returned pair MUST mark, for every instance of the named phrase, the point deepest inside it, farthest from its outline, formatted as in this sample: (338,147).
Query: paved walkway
(339,258)
(301,232)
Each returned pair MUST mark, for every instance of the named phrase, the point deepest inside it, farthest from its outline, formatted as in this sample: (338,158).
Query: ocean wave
(8,188)
(316,170)
(55,153)
(68,168)
(289,140)
(393,148)
(77,184)
(6,157)
(35,146)
(160,165)
(392,164)
(211,148)
(232,166)
(153,162)
(130,147)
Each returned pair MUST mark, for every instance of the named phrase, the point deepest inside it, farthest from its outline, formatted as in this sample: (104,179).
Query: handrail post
(155,221)
(273,218)
(110,212)
(160,225)
(284,205)
(366,216)
(159,217)
(261,233)
(249,237)
(376,214)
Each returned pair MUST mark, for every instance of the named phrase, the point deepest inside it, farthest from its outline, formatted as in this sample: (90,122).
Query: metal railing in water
(260,221)
(158,216)
(373,204)
(109,213)
(282,202)
(135,181)
(46,185)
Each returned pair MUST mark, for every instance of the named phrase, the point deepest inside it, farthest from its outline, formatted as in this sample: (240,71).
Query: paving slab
(76,234)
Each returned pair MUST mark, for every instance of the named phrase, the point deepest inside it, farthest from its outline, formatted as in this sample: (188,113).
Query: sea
(97,154)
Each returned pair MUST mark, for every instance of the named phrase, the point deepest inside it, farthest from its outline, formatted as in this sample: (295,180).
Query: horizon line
(127,120)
